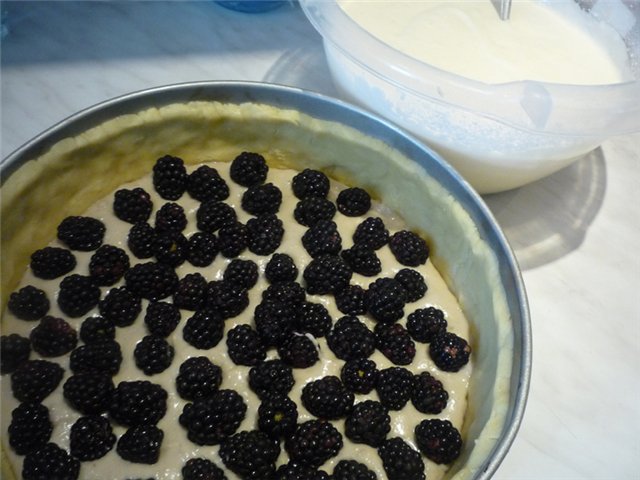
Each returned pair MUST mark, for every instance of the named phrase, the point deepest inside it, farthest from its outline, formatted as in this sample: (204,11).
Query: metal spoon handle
(503,7)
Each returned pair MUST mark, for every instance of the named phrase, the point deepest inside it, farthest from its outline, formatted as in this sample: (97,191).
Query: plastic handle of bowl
(537,103)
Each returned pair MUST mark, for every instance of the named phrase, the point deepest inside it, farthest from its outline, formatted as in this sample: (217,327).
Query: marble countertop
(575,233)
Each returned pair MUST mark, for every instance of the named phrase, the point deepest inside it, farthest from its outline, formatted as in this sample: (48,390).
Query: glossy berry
(352,470)
(91,438)
(362,260)
(350,300)
(277,416)
(81,233)
(171,248)
(408,248)
(281,268)
(350,339)
(233,239)
(326,274)
(438,440)
(198,378)
(14,351)
(425,323)
(205,183)
(298,471)
(393,340)
(30,427)
(108,264)
(212,215)
(322,238)
(275,321)
(368,423)
(204,329)
(161,318)
(132,205)
(89,392)
(385,300)
(413,283)
(400,461)
(250,454)
(202,469)
(141,240)
(29,303)
(327,398)
(359,375)
(243,273)
(248,169)
(353,202)
(48,462)
(299,351)
(311,210)
(78,294)
(272,377)
(151,280)
(264,234)
(244,346)
(170,217)
(225,298)
(310,183)
(371,233)
(288,293)
(202,249)
(97,329)
(120,306)
(153,354)
(314,318)
(394,387)
(104,357)
(170,177)
(428,395)
(53,337)
(313,443)
(141,444)
(449,351)
(138,402)
(52,262)
(262,199)
(191,292)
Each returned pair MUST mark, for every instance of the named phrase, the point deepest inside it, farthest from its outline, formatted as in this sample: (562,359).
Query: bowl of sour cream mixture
(505,102)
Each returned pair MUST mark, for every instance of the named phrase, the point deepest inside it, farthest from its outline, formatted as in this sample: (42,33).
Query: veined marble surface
(576,233)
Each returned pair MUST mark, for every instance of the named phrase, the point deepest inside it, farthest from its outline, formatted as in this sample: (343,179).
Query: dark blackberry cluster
(244,346)
(400,461)
(352,470)
(29,303)
(89,392)
(314,318)
(409,248)
(225,298)
(191,292)
(212,215)
(141,444)
(153,354)
(438,440)
(394,387)
(297,471)
(264,234)
(198,378)
(30,427)
(81,233)
(359,375)
(262,199)
(202,249)
(78,294)
(151,280)
(171,248)
(369,423)
(210,420)
(243,273)
(120,306)
(170,177)
(204,329)
(313,442)
(281,268)
(428,395)
(413,283)
(275,321)
(449,351)
(326,274)
(105,357)
(385,300)
(310,183)
(353,202)
(202,469)
(371,233)
(233,239)
(138,402)
(132,205)
(108,264)
(97,329)
(53,337)
(350,300)
(425,323)
(322,238)
(205,183)
(272,377)
(350,339)
(248,169)
(34,380)
(141,240)
(362,260)
(311,210)
(327,398)
(161,318)
(50,461)
(14,351)
(393,340)
(91,437)
(250,454)
(52,262)
(287,293)
(277,416)
(170,218)
(299,351)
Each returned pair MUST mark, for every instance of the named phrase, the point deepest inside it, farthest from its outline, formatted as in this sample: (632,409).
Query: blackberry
(141,240)
(313,443)
(161,318)
(425,323)
(413,283)
(202,469)
(310,183)
(104,357)
(438,440)
(288,293)
(244,346)
(81,233)
(371,233)
(202,249)
(272,377)
(34,380)
(264,234)
(408,248)
(241,272)
(352,470)
(191,292)
(108,264)
(327,398)
(394,387)
(314,318)
(233,239)
(281,268)
(350,300)
(89,393)
(141,444)
(225,298)
(326,274)
(248,169)
(322,238)
(52,262)
(277,416)
(121,306)
(353,202)
(262,199)
(14,351)
(250,454)
(132,206)
(198,378)
(171,248)
(362,260)
(153,354)
(91,437)
(275,321)
(205,183)
(213,215)
(369,423)
(393,340)
(385,299)
(97,329)
(295,471)
(138,402)
(170,177)
(48,462)
(311,210)
(210,420)
(53,337)
(77,295)
(428,395)
(400,461)
(359,375)
(204,329)
(29,303)
(30,427)
(151,280)
(170,217)
(449,351)
(350,339)
(299,351)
